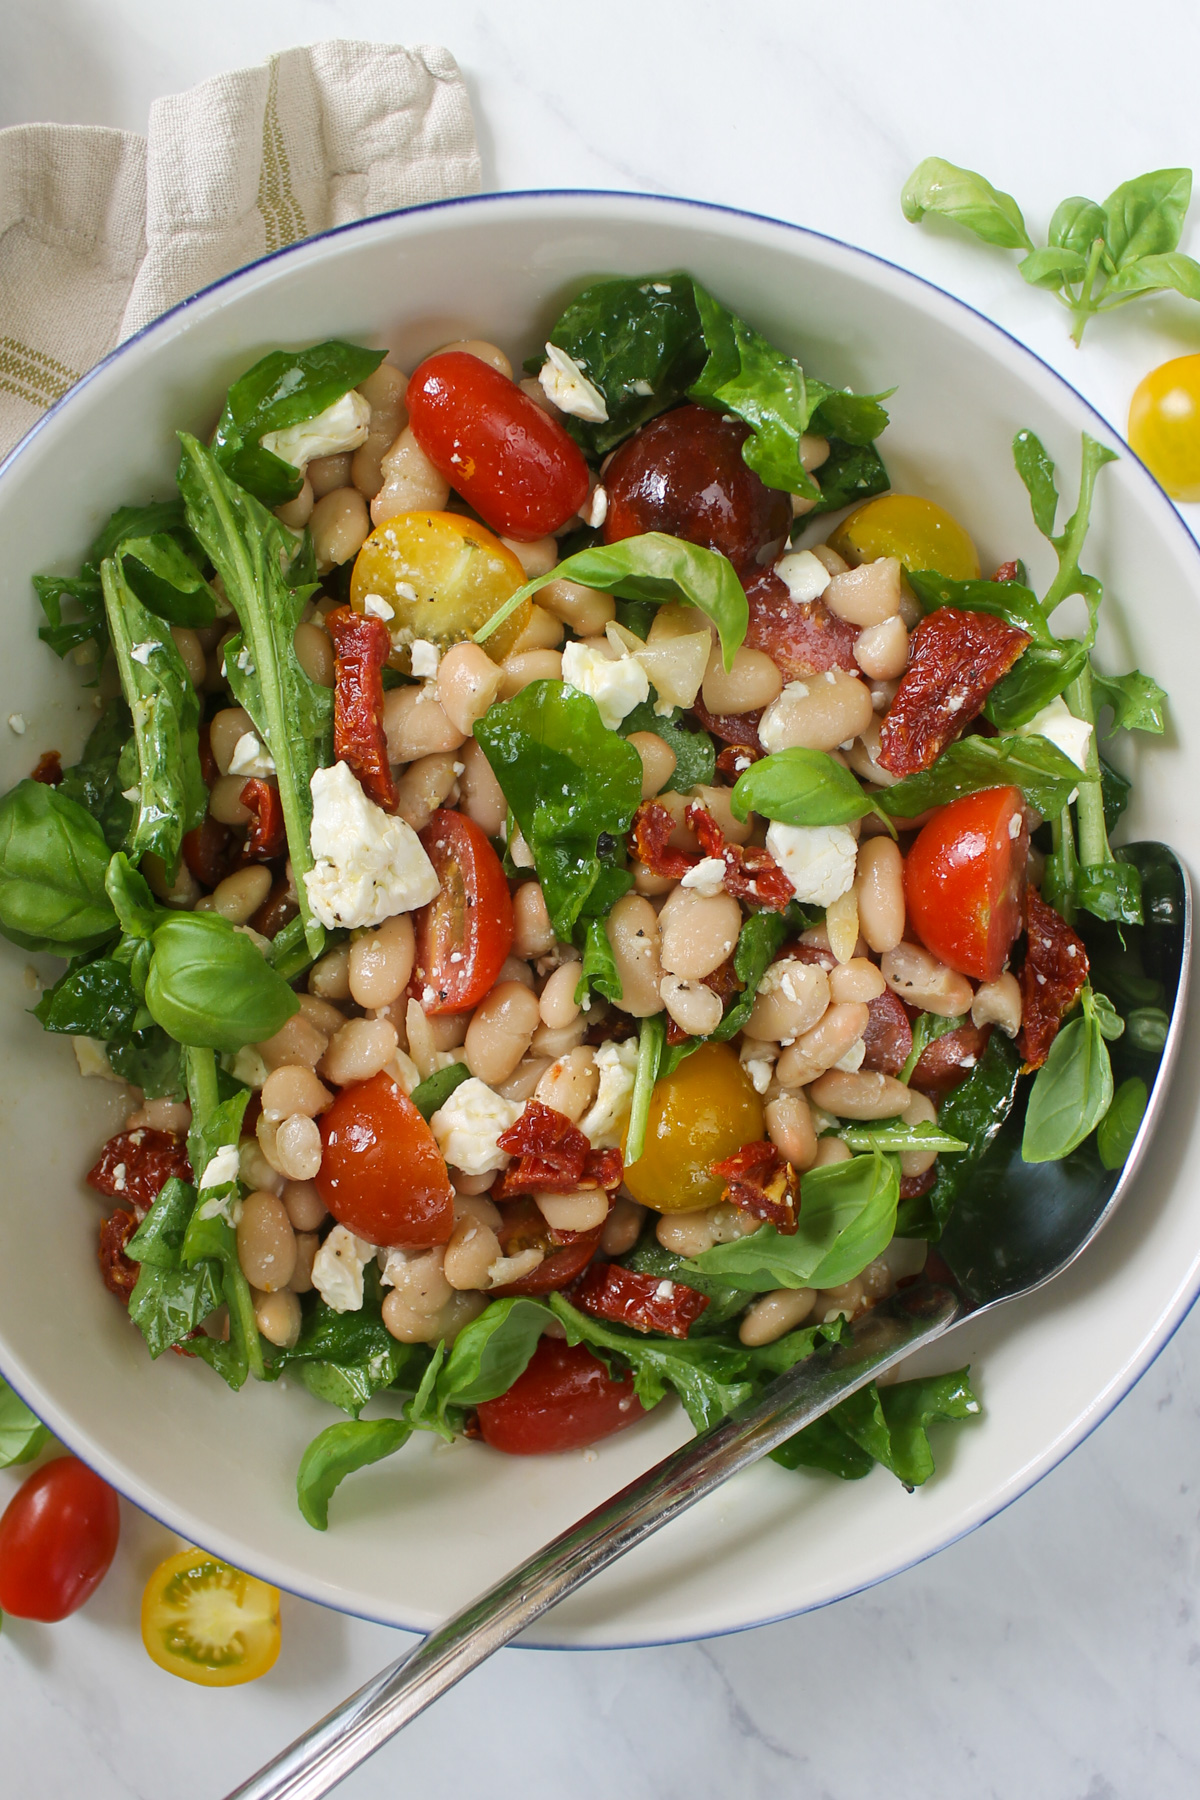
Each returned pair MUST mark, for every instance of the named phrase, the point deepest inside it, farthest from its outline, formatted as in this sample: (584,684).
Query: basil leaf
(973,1112)
(1071,1092)
(292,715)
(166,717)
(138,912)
(856,420)
(895,1136)
(746,376)
(53,861)
(1112,1025)
(695,753)
(1052,267)
(66,635)
(1111,890)
(653,567)
(1076,224)
(850,474)
(345,1358)
(800,787)
(598,969)
(432,1094)
(568,779)
(941,187)
(283,388)
(151,1060)
(847,1216)
(94,782)
(760,938)
(167,1305)
(22,1434)
(167,581)
(337,1452)
(1137,701)
(639,342)
(1039,768)
(490,1353)
(158,1241)
(1147,1027)
(1119,1126)
(1144,217)
(216,1124)
(210,985)
(94,1000)
(1150,274)
(1040,674)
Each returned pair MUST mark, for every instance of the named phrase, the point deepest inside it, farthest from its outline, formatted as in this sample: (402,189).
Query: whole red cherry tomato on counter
(382,1174)
(465,933)
(565,1400)
(963,881)
(495,446)
(58,1537)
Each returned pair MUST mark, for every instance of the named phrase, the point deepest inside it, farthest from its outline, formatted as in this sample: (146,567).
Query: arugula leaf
(639,341)
(88,626)
(847,1216)
(598,969)
(941,187)
(973,1113)
(151,1060)
(760,938)
(1119,1126)
(292,715)
(652,1041)
(568,779)
(894,1135)
(801,787)
(286,387)
(22,1434)
(1039,768)
(53,861)
(850,474)
(1137,701)
(335,1453)
(695,753)
(169,1301)
(166,716)
(94,781)
(1071,1091)
(746,376)
(653,567)
(889,1425)
(489,1354)
(210,986)
(166,580)
(1114,790)
(94,999)
(1011,601)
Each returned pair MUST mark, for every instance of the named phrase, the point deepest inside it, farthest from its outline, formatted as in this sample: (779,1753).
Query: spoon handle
(326,1754)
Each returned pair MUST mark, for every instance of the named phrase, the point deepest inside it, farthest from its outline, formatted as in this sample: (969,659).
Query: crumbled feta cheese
(425,658)
(818,860)
(341,427)
(604,1123)
(595,509)
(467,1127)
(707,876)
(402,1069)
(1058,723)
(248,1067)
(250,757)
(141,653)
(133,795)
(804,575)
(337,1271)
(221,1168)
(376,607)
(641,387)
(760,1070)
(90,1055)
(852,1061)
(519,853)
(368,865)
(566,386)
(617,686)
(16,723)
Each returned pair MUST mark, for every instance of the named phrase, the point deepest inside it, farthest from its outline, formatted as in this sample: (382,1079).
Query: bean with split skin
(294,1089)
(410,481)
(359,1050)
(470,1253)
(773,1315)
(533,934)
(922,981)
(266,1243)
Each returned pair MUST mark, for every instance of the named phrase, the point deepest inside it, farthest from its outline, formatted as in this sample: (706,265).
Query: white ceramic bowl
(418,1535)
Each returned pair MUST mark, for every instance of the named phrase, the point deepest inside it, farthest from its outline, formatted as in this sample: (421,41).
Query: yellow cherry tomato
(443,576)
(1164,425)
(705,1111)
(922,534)
(205,1621)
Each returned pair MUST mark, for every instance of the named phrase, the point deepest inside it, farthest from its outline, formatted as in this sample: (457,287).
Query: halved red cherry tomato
(565,1399)
(510,460)
(963,879)
(464,935)
(382,1174)
(58,1537)
(524,1228)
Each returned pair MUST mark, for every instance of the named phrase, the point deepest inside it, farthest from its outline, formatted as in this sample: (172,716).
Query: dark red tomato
(382,1174)
(465,934)
(507,458)
(963,879)
(565,1400)
(524,1228)
(684,474)
(800,638)
(58,1537)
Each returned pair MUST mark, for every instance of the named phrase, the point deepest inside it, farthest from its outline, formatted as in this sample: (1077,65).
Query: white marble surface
(1052,1654)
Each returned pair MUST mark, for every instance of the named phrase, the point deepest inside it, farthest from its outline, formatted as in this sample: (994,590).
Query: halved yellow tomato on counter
(207,1622)
(443,576)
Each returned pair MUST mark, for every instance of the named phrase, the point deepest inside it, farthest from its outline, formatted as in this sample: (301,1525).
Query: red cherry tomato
(465,934)
(382,1174)
(565,1400)
(58,1537)
(510,460)
(963,879)
(524,1228)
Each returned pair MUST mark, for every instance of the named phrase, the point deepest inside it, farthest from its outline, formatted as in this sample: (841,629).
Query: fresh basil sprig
(53,864)
(1073,1089)
(1119,1126)
(1097,257)
(211,987)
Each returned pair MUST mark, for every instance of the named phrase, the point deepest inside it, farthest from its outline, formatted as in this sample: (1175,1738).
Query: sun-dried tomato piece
(801,637)
(957,659)
(277,910)
(945,1064)
(735,759)
(731,728)
(208,851)
(652,826)
(759,1181)
(1008,571)
(361,647)
(266,838)
(646,1302)
(888,1038)
(751,873)
(553,1157)
(49,770)
(120,1274)
(1056,968)
(136,1165)
(912,1185)
(817,954)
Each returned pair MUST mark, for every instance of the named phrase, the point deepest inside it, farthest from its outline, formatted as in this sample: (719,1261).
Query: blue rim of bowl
(1184,1300)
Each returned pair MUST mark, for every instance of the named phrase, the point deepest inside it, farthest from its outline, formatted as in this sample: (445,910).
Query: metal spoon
(1017,1227)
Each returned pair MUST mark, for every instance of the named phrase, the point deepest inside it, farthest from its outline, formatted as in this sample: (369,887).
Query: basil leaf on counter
(211,987)
(53,862)
(1046,776)
(1071,1091)
(283,388)
(568,779)
(847,1216)
(337,1452)
(22,1434)
(694,751)
(94,1000)
(292,715)
(94,781)
(941,187)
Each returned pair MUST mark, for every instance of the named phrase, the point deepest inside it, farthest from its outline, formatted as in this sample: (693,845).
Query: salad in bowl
(579,876)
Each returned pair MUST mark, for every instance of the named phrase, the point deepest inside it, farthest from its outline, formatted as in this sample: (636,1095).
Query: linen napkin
(102,230)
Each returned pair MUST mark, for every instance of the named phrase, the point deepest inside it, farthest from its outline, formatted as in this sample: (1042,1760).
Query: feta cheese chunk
(250,757)
(141,653)
(853,1059)
(1067,733)
(337,1271)
(376,607)
(369,865)
(804,576)
(92,1059)
(818,860)
(566,386)
(707,876)
(221,1168)
(604,1122)
(341,427)
(467,1127)
(425,658)
(617,686)
(595,508)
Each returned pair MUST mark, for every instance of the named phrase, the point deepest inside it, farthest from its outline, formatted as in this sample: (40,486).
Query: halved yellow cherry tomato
(922,534)
(443,576)
(205,1621)
(1164,425)
(705,1111)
